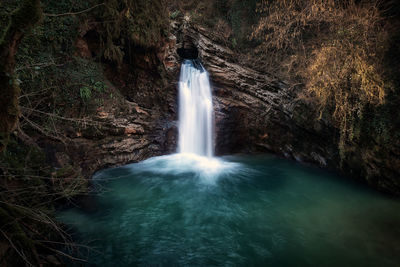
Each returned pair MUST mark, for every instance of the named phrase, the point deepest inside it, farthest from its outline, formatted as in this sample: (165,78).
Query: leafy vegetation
(124,25)
(48,77)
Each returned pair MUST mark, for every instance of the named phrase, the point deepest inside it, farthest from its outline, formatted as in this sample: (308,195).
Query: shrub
(337,50)
(85,93)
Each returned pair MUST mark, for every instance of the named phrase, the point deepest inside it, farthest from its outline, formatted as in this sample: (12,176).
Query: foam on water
(208,169)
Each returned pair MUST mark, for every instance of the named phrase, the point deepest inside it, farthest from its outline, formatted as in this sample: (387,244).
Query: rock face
(139,123)
(254,112)
(257,112)
(111,139)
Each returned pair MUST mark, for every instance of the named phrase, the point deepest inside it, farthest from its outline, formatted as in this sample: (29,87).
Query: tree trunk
(21,22)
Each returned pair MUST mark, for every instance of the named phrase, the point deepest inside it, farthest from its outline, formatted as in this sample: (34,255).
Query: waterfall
(195,110)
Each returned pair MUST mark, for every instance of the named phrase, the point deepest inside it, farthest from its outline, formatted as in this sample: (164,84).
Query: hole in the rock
(188,53)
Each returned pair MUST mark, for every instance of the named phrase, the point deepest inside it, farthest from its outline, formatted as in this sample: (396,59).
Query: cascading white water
(195,145)
(195,110)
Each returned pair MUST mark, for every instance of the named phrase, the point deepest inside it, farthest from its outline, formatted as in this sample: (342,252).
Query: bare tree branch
(73,13)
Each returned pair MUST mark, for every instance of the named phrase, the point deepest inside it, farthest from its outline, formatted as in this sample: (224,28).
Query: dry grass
(336,48)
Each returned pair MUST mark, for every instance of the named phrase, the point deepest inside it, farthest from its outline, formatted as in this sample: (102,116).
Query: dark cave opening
(188,53)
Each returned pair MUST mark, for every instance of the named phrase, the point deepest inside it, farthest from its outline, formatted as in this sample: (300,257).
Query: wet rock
(257,112)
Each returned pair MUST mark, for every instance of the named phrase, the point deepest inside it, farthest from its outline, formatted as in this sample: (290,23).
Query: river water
(186,210)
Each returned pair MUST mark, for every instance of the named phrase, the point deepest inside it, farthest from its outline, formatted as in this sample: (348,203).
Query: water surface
(235,211)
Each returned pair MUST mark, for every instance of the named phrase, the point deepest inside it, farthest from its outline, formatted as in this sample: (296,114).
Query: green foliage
(56,35)
(52,83)
(100,86)
(85,93)
(234,42)
(129,23)
(175,14)
(22,19)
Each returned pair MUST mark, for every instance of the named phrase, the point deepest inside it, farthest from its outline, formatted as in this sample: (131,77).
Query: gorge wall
(258,112)
(255,111)
(99,89)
